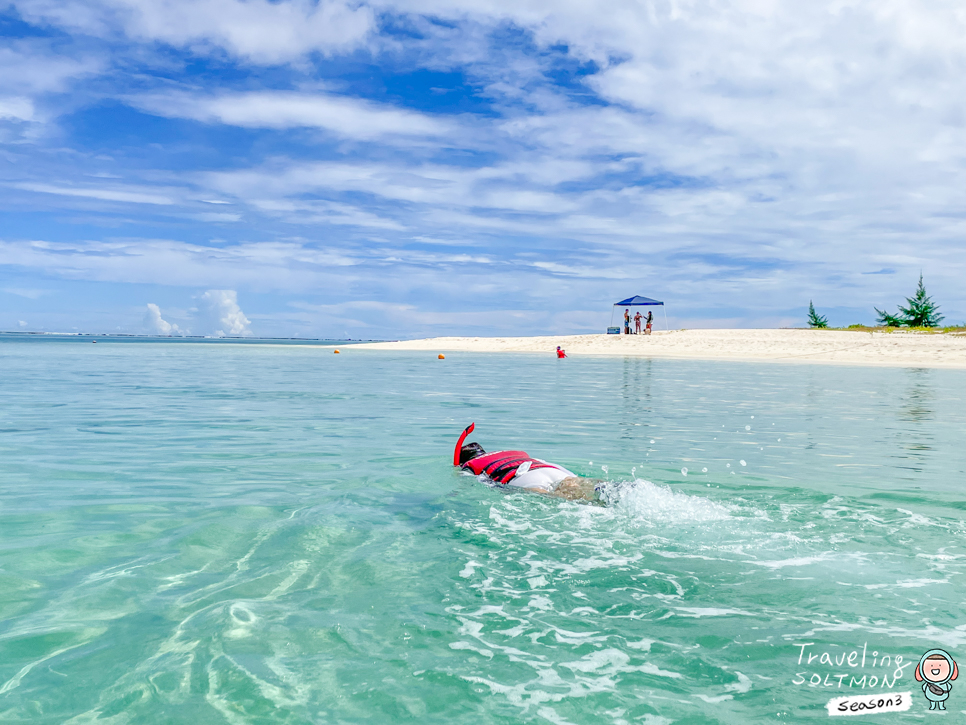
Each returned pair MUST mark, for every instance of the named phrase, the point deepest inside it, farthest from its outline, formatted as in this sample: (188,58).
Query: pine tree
(922,311)
(888,320)
(815,319)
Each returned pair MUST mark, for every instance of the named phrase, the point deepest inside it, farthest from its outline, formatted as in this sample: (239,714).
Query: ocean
(221,533)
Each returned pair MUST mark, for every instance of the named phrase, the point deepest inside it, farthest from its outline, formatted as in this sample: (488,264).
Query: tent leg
(665,317)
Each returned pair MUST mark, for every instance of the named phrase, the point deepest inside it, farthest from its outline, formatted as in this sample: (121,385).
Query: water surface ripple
(204,534)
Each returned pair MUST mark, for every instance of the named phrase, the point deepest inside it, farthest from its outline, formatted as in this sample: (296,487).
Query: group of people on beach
(637,322)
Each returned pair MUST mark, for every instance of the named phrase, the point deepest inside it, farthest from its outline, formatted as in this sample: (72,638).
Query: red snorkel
(459,443)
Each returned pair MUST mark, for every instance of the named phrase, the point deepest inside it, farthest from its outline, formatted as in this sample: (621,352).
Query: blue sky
(400,169)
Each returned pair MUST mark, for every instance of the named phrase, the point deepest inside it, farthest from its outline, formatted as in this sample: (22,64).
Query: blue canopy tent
(636,301)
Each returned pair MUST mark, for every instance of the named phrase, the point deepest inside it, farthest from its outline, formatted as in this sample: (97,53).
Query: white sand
(894,349)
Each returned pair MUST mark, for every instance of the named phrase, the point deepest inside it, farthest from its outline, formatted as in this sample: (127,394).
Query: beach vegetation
(815,319)
(884,319)
(859,327)
(951,329)
(920,312)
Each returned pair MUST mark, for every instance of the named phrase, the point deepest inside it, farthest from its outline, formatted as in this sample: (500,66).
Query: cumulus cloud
(158,325)
(21,324)
(220,311)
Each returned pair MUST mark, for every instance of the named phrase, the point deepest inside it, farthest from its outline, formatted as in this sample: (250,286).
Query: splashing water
(651,505)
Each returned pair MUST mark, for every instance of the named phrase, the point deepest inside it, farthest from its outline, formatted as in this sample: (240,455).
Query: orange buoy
(337,351)
(441,356)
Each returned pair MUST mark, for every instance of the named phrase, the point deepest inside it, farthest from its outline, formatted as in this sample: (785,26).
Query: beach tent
(637,301)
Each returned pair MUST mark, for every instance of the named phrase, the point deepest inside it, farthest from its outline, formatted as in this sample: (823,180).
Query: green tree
(922,311)
(888,320)
(815,319)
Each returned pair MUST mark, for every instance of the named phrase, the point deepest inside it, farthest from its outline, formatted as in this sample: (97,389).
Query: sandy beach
(893,349)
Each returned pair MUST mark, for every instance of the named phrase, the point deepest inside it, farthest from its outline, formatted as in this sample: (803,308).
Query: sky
(395,169)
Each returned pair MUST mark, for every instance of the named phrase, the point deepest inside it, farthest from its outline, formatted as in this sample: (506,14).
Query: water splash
(651,504)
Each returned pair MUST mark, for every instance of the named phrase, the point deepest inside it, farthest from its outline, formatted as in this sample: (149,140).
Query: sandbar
(837,347)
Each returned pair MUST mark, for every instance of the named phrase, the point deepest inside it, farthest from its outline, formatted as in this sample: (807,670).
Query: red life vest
(502,465)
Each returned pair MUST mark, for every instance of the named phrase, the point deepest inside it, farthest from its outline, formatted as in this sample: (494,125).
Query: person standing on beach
(627,321)
(650,318)
(637,324)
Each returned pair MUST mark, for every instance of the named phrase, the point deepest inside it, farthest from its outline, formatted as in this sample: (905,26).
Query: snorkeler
(519,469)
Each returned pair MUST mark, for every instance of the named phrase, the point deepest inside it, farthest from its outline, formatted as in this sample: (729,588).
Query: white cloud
(122,194)
(29,293)
(315,212)
(512,188)
(21,324)
(345,116)
(219,309)
(157,325)
(33,66)
(760,151)
(284,265)
(216,218)
(16,108)
(258,30)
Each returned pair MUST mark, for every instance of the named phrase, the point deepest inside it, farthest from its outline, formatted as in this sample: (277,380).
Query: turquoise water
(228,534)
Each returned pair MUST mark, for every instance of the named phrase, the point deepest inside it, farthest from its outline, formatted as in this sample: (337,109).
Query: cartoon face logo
(936,671)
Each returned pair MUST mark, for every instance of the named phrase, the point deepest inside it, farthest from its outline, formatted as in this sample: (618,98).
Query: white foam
(467,570)
(659,504)
(698,612)
(794,561)
(740,687)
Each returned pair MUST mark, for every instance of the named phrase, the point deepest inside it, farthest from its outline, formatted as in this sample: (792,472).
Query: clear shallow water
(258,534)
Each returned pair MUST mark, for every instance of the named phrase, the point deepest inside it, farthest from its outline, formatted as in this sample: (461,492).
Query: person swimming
(520,470)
